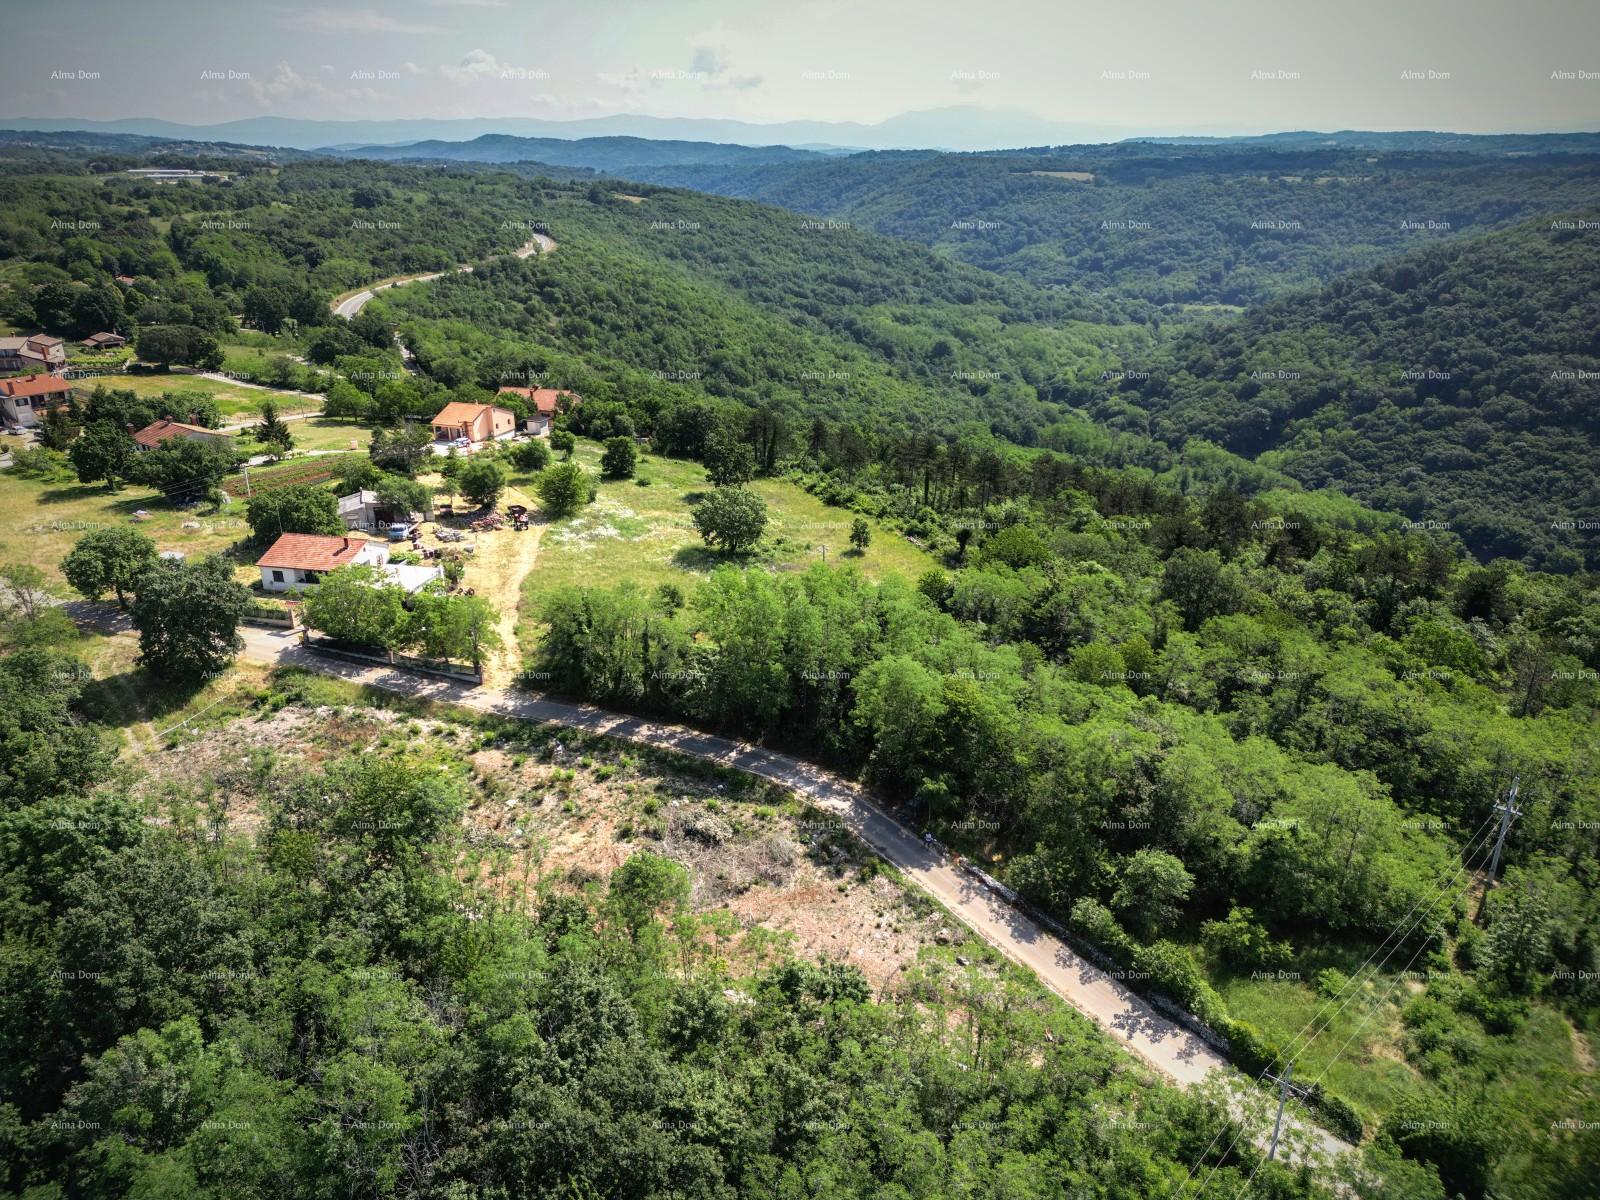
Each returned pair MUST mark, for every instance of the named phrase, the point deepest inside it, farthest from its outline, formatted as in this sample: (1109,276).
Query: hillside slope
(1457,385)
(748,302)
(1169,224)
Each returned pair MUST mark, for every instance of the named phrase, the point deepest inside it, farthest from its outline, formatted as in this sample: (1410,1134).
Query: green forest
(1456,385)
(1172,225)
(1222,738)
(350,1002)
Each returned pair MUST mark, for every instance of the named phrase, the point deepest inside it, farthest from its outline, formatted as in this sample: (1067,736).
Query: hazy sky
(1483,65)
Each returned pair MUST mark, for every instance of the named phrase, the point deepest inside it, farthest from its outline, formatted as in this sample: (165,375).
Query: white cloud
(711,64)
(352,20)
(474,65)
(287,87)
(285,84)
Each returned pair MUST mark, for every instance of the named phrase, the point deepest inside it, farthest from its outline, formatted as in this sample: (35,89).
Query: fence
(332,648)
(275,618)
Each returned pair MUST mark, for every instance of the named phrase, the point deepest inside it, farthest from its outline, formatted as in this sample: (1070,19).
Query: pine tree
(272,432)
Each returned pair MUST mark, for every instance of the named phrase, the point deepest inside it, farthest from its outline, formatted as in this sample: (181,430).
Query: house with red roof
(158,433)
(300,560)
(25,400)
(475,422)
(543,404)
(297,561)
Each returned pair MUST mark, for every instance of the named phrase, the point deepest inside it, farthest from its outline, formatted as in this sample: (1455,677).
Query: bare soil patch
(772,874)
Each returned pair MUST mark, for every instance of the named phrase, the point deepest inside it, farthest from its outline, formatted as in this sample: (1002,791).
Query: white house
(297,561)
(23,402)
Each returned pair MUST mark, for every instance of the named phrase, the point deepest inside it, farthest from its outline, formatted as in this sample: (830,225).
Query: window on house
(277,577)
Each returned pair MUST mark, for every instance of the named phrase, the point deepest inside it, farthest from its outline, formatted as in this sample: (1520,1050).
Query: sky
(1213,66)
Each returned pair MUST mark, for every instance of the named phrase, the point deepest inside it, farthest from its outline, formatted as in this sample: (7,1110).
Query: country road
(1171,1050)
(351,305)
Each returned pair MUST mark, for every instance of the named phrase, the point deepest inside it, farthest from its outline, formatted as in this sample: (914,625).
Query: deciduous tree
(187,615)
(109,560)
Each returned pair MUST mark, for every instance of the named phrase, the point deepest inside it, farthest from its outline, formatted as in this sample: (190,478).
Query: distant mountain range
(953,128)
(1409,140)
(617,154)
(962,128)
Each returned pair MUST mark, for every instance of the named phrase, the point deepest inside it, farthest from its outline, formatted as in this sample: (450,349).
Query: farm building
(365,510)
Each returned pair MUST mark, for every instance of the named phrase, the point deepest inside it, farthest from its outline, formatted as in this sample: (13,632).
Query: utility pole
(1509,812)
(1284,1087)
(246,470)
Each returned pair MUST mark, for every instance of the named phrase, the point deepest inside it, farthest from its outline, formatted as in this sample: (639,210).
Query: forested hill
(672,293)
(1457,385)
(660,296)
(1169,224)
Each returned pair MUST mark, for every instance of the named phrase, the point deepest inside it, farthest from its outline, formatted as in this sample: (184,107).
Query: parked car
(464,443)
(400,531)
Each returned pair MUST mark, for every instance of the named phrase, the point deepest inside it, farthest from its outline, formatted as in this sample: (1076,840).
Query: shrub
(620,458)
(564,488)
(1095,922)
(529,456)
(1249,1049)
(1242,942)
(1331,983)
(50,465)
(1173,971)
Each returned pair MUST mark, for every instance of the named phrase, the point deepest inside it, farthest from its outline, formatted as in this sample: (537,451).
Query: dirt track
(351,305)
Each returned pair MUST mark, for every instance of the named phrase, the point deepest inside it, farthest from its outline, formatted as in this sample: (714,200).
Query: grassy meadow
(646,534)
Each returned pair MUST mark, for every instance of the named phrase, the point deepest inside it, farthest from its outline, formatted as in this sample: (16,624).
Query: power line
(1508,811)
(1365,1021)
(1372,1009)
(1352,986)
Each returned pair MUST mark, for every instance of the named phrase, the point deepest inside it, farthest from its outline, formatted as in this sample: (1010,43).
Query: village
(407,540)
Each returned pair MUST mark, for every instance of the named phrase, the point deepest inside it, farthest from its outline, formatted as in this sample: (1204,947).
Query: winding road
(1173,1051)
(351,305)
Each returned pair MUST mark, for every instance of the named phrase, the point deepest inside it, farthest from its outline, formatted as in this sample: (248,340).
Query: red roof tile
(312,552)
(543,399)
(34,385)
(156,432)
